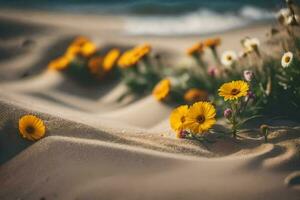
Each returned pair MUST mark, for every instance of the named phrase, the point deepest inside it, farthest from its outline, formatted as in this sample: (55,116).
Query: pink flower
(250,96)
(213,71)
(248,75)
(182,134)
(227,113)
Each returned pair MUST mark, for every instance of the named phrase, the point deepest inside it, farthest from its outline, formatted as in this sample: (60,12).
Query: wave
(203,21)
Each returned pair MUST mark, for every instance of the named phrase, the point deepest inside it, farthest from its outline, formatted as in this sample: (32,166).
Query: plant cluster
(84,61)
(251,82)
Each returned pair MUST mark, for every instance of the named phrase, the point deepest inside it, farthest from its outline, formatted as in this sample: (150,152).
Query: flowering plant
(85,62)
(194,121)
(271,83)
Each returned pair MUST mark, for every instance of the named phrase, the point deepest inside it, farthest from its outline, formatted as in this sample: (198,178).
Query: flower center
(30,129)
(254,46)
(182,119)
(235,91)
(229,58)
(200,119)
(287,59)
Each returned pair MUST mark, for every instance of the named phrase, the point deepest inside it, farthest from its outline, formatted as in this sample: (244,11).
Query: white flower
(251,44)
(297,18)
(244,53)
(287,59)
(283,15)
(228,58)
(293,20)
(285,12)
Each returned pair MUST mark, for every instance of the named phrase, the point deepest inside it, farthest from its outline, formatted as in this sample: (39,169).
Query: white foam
(200,22)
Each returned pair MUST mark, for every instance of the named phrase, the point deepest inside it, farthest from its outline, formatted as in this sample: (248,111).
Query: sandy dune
(97,148)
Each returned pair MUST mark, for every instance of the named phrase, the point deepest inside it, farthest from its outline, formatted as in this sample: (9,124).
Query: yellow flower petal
(131,57)
(212,42)
(196,48)
(60,63)
(110,59)
(88,49)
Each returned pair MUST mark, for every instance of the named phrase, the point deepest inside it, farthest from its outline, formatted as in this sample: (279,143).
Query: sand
(97,148)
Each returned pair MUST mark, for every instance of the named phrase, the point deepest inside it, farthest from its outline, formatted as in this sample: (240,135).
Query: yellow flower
(162,89)
(196,48)
(60,63)
(110,59)
(233,90)
(80,46)
(193,95)
(141,51)
(88,49)
(73,50)
(177,117)
(212,42)
(131,57)
(83,46)
(80,41)
(127,60)
(31,127)
(200,117)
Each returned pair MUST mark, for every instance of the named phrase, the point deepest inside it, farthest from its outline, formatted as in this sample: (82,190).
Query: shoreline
(49,17)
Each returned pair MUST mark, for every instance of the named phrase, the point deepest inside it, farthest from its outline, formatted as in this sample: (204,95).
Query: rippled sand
(97,148)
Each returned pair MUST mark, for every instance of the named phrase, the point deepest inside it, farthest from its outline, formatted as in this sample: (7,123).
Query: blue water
(158,17)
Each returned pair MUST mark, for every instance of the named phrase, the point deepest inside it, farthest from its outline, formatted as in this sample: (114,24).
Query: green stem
(234,128)
(199,61)
(266,136)
(234,119)
(201,66)
(216,56)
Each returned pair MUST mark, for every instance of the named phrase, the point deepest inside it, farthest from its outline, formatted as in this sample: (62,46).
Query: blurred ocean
(157,17)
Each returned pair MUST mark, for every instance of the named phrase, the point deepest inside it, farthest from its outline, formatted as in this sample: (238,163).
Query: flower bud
(251,95)
(289,2)
(248,75)
(157,56)
(264,129)
(182,134)
(212,71)
(193,95)
(227,113)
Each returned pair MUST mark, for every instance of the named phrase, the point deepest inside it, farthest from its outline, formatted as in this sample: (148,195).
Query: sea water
(168,17)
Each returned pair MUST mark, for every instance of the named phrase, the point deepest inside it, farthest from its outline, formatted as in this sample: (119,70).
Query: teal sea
(156,17)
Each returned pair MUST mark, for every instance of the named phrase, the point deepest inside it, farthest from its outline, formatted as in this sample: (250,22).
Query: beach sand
(97,148)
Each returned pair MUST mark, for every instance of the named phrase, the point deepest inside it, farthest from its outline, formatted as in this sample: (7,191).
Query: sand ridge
(97,148)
